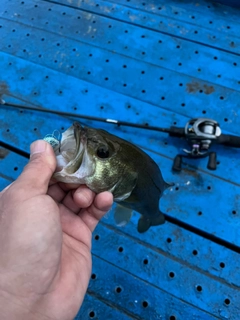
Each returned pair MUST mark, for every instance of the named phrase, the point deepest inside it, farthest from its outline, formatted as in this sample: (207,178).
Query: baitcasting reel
(200,133)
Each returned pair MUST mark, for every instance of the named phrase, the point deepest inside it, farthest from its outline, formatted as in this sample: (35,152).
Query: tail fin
(144,223)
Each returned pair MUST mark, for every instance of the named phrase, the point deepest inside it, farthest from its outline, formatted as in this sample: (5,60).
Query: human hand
(45,242)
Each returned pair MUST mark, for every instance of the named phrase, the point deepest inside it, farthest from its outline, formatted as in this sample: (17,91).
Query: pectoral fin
(122,215)
(145,222)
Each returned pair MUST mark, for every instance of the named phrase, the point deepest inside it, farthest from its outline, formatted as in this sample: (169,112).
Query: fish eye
(103,152)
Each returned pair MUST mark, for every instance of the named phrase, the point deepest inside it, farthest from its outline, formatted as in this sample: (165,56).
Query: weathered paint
(144,62)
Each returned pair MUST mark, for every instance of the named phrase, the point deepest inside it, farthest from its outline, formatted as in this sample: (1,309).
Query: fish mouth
(74,161)
(71,149)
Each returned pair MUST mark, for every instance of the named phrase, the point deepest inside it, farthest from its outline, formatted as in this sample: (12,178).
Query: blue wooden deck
(155,62)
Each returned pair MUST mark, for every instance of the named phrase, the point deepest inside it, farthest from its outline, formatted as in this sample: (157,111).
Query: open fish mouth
(75,143)
(72,155)
(70,147)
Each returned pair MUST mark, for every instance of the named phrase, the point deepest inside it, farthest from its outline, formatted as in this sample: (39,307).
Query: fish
(105,162)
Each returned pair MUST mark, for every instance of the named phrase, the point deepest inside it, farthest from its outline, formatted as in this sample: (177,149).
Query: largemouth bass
(105,162)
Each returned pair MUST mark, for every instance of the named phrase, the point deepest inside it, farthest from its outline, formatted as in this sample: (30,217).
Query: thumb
(35,178)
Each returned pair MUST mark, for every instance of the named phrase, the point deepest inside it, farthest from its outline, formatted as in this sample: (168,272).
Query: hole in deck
(145,304)
(118,289)
(199,288)
(91,314)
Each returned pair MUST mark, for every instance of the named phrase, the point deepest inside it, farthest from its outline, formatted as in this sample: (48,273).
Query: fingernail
(38,146)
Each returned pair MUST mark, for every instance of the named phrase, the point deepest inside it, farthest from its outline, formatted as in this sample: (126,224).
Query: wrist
(15,308)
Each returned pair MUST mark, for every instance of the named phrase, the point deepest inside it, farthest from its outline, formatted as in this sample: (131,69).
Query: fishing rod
(81,116)
(200,133)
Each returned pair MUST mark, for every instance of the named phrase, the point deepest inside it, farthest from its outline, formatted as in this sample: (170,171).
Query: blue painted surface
(145,62)
(233,3)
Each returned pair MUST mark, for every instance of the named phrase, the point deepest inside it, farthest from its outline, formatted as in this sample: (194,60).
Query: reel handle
(212,161)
